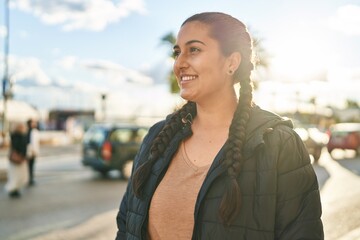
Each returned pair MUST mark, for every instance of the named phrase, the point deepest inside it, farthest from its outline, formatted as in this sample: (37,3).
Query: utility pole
(5,81)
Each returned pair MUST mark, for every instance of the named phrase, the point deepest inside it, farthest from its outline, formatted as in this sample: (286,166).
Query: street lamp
(5,80)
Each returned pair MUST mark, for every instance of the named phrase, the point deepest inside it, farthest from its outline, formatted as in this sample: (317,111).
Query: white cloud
(80,84)
(92,15)
(67,62)
(115,72)
(346,20)
(28,71)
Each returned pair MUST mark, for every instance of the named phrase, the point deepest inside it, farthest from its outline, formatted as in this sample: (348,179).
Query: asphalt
(100,227)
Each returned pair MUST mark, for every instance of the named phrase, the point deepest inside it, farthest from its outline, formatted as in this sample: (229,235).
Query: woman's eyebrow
(190,42)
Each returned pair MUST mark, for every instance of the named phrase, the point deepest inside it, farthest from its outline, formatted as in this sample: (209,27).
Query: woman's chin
(186,95)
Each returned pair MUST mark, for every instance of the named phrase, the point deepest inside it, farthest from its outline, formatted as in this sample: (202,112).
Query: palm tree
(170,39)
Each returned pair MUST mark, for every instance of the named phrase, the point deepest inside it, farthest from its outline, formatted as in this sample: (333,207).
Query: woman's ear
(234,61)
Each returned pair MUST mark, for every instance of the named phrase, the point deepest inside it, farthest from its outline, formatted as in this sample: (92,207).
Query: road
(66,194)
(340,195)
(71,202)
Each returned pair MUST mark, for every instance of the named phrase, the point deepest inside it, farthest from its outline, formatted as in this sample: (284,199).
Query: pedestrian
(220,167)
(33,148)
(17,175)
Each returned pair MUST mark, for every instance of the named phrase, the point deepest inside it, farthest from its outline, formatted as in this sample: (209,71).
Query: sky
(66,54)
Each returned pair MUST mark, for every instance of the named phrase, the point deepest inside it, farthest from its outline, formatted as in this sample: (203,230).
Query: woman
(17,173)
(220,167)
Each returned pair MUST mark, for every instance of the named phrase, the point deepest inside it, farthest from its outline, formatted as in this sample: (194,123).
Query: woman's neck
(215,115)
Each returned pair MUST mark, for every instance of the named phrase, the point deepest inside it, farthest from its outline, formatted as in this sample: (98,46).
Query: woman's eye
(175,54)
(194,50)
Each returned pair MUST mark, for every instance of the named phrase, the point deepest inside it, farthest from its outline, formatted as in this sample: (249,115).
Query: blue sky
(64,54)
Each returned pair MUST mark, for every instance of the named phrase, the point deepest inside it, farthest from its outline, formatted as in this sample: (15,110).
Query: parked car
(314,139)
(110,146)
(344,136)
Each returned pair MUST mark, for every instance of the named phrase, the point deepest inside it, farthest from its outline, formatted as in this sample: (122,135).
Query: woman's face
(200,67)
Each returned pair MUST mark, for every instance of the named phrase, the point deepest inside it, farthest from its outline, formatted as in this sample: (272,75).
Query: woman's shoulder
(290,150)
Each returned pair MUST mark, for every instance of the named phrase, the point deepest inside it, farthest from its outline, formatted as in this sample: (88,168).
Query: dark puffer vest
(280,194)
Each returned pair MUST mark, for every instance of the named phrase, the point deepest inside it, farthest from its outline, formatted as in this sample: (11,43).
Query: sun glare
(300,57)
(299,67)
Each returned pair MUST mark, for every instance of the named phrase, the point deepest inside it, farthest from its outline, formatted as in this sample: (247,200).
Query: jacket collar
(260,123)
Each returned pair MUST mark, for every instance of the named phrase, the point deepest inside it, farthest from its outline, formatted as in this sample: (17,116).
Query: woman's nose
(181,61)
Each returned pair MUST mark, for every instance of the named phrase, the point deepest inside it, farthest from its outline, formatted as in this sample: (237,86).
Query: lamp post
(5,80)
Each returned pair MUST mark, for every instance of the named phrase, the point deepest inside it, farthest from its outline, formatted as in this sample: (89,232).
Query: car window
(96,135)
(141,134)
(128,135)
(339,133)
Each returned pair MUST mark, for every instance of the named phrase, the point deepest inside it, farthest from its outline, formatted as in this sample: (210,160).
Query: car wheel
(104,173)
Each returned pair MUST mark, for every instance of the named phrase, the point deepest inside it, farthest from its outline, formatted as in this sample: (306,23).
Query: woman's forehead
(193,30)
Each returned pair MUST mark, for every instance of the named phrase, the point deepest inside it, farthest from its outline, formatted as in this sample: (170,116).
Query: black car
(111,146)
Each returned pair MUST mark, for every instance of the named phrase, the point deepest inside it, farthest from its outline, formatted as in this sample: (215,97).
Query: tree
(170,39)
(352,103)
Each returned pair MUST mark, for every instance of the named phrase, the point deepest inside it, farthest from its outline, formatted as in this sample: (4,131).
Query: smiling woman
(230,167)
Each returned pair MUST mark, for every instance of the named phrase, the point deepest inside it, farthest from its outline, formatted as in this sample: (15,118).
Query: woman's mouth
(187,78)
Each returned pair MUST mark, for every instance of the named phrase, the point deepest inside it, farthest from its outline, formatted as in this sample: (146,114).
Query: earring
(230,72)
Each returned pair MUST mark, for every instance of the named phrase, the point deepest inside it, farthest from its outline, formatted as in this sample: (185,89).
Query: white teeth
(187,78)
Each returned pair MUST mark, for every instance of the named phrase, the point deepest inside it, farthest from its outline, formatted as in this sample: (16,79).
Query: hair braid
(233,160)
(159,146)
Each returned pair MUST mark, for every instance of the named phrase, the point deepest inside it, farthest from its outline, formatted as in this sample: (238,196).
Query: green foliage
(174,87)
(170,40)
(352,103)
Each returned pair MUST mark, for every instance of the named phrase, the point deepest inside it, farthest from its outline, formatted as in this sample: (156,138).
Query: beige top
(171,214)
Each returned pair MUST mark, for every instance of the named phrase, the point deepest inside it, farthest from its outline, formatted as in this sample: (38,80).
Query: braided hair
(232,36)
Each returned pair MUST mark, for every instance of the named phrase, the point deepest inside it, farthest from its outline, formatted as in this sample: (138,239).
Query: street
(70,201)
(66,194)
(340,194)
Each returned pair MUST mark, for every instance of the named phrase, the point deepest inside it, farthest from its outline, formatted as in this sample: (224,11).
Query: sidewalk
(100,227)
(353,235)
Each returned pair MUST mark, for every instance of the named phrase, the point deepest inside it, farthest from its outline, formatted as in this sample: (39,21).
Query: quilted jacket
(280,193)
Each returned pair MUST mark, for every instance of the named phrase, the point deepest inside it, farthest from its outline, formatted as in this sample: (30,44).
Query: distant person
(18,174)
(33,148)
(220,167)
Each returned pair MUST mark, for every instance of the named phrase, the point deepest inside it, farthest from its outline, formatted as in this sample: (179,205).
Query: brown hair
(232,36)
